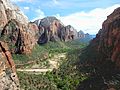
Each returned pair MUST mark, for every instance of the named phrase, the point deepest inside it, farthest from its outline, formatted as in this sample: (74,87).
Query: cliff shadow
(101,72)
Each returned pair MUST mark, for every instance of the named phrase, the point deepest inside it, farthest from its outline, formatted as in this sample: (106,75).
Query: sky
(85,15)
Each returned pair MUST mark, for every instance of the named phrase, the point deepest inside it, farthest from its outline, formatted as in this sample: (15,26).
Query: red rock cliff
(14,28)
(108,38)
(8,77)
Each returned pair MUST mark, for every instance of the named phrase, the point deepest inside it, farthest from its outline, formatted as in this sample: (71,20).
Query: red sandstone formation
(8,77)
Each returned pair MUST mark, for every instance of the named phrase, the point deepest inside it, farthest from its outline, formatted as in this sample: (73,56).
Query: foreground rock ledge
(8,76)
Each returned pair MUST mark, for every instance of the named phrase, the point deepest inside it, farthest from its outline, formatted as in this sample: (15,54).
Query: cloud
(26,8)
(22,1)
(60,4)
(39,14)
(89,22)
(55,1)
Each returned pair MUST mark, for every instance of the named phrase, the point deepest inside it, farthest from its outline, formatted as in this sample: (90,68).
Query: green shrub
(66,77)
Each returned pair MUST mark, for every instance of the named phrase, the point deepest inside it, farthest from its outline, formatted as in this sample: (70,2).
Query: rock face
(51,29)
(85,38)
(10,11)
(81,34)
(15,29)
(20,38)
(3,17)
(68,33)
(8,77)
(108,38)
(13,12)
(107,41)
(101,59)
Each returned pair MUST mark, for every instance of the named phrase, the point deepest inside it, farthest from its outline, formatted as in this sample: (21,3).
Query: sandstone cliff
(10,11)
(81,34)
(15,29)
(101,59)
(68,33)
(20,38)
(108,38)
(8,77)
(49,29)
(52,29)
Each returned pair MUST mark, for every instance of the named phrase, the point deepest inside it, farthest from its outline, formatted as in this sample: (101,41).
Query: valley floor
(51,67)
(58,66)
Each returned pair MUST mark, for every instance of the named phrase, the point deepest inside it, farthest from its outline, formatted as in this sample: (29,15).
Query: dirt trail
(56,59)
(54,63)
(34,70)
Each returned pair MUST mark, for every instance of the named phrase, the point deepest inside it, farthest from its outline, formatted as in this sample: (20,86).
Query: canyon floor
(53,66)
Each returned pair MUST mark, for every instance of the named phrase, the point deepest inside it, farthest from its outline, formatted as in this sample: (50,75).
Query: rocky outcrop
(10,11)
(8,77)
(81,34)
(68,33)
(101,59)
(3,16)
(13,12)
(49,29)
(85,38)
(20,38)
(108,38)
(15,29)
(107,41)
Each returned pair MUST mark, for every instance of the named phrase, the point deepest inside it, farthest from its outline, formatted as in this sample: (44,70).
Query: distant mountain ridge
(85,38)
(52,29)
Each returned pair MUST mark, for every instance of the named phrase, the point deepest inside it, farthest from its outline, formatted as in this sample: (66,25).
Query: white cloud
(55,1)
(89,22)
(22,0)
(26,8)
(39,14)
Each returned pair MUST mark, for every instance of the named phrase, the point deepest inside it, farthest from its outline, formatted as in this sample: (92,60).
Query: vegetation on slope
(81,69)
(101,71)
(41,53)
(66,77)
